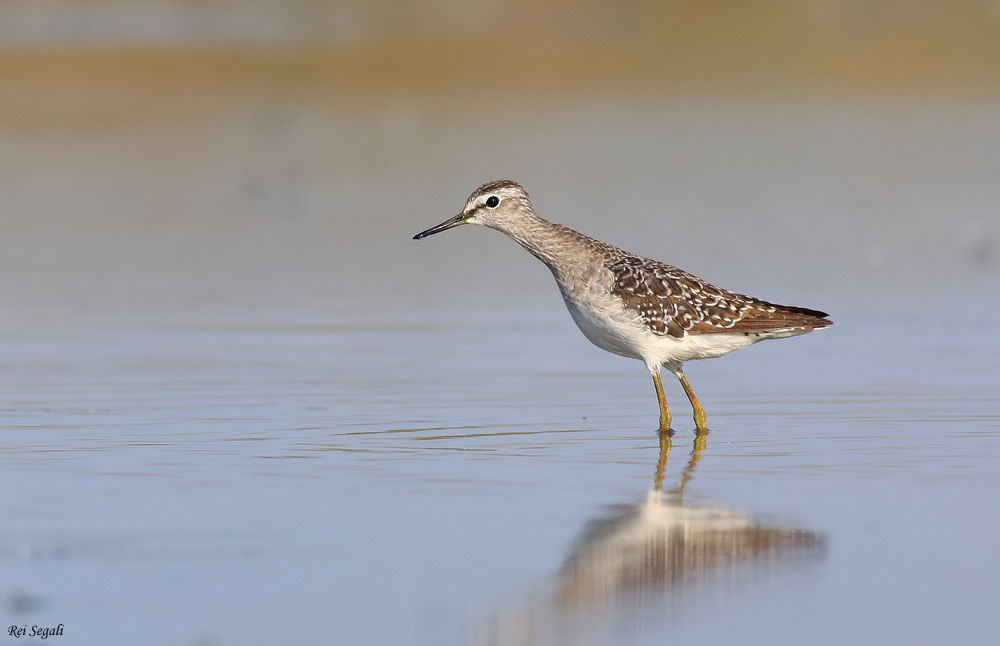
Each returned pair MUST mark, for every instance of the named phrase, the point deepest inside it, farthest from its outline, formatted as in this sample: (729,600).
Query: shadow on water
(639,562)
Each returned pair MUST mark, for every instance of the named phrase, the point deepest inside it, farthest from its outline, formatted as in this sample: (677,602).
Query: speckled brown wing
(674,303)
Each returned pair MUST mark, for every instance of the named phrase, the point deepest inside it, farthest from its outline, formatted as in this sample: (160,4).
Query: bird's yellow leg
(699,412)
(661,398)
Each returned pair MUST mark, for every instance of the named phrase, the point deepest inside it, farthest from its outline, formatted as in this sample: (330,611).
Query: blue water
(269,481)
(241,406)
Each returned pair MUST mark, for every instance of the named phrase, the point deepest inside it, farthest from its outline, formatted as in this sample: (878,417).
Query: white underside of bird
(609,325)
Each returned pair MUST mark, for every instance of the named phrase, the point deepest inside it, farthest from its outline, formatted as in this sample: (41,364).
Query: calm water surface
(484,478)
(241,407)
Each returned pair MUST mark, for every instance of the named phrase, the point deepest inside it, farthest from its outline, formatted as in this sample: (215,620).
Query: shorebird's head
(498,205)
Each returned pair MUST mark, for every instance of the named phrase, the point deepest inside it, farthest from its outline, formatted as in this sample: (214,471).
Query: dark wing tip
(821,319)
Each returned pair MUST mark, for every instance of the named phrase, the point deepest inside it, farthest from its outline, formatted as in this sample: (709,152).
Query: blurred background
(242,406)
(257,155)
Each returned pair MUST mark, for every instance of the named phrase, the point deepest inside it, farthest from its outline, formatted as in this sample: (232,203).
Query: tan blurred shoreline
(491,53)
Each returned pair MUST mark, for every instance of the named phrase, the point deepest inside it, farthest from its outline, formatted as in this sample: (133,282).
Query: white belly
(611,327)
(619,332)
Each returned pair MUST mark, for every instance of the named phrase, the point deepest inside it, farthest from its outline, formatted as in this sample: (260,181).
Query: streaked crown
(501,189)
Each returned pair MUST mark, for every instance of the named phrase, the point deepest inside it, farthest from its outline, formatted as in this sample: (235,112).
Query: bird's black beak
(461,218)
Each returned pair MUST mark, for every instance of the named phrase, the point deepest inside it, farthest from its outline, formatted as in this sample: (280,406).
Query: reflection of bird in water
(665,546)
(667,542)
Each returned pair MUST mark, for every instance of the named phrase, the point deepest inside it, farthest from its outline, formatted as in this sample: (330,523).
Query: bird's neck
(545,240)
(557,246)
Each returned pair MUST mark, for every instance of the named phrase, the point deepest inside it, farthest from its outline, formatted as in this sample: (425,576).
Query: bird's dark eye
(492,201)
